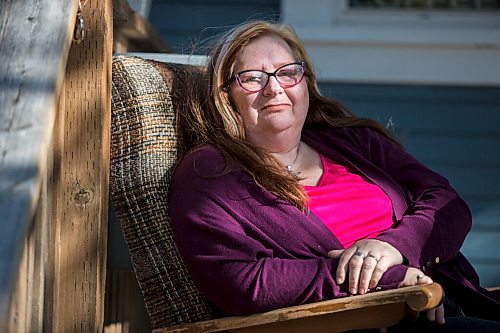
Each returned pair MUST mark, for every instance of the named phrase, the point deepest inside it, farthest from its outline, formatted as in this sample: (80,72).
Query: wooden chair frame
(376,310)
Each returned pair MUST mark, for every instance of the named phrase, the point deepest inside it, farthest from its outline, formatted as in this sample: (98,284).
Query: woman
(291,199)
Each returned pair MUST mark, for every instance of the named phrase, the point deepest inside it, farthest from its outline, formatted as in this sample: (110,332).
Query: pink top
(350,206)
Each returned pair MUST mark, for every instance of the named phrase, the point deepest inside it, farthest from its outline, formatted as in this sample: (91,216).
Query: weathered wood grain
(381,308)
(81,167)
(125,309)
(34,43)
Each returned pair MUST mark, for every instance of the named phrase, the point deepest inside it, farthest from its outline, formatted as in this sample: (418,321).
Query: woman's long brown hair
(215,121)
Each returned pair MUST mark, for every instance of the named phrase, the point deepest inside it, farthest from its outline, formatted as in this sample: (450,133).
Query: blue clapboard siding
(454,131)
(188,24)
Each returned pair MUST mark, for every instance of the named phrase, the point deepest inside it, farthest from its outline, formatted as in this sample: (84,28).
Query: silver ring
(360,254)
(419,277)
(372,256)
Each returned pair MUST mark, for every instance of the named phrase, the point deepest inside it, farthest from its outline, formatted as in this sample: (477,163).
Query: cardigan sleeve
(230,263)
(433,228)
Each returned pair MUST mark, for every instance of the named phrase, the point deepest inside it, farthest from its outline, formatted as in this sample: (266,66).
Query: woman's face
(274,111)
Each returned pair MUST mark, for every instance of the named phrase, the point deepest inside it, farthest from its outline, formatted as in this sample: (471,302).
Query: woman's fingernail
(361,290)
(353,291)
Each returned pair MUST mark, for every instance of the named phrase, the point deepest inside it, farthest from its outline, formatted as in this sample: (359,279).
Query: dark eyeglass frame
(236,77)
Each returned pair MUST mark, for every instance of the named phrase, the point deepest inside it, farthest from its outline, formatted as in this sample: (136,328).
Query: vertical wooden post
(28,297)
(81,167)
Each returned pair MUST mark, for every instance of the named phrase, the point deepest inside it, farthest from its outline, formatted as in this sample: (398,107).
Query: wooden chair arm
(373,310)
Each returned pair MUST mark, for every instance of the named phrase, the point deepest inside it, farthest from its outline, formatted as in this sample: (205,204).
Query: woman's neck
(303,162)
(289,157)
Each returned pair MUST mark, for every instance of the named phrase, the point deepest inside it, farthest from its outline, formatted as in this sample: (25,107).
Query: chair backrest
(145,146)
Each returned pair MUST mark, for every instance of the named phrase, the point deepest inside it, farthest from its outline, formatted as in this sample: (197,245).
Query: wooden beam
(125,309)
(28,297)
(79,216)
(34,44)
(132,32)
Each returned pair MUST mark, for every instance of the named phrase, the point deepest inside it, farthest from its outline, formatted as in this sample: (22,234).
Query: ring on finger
(419,277)
(360,254)
(373,257)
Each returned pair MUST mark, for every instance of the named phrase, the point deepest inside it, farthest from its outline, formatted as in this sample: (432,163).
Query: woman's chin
(278,128)
(278,123)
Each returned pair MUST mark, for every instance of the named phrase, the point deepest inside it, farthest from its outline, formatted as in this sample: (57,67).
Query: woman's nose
(273,87)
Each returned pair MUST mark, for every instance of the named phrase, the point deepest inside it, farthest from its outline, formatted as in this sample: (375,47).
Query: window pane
(469,5)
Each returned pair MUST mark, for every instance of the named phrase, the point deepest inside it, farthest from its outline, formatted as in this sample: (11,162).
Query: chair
(147,106)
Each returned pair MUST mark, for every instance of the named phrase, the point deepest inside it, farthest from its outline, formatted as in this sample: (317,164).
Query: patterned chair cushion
(147,97)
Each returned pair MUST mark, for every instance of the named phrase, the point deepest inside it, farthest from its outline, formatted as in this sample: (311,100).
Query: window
(400,41)
(443,5)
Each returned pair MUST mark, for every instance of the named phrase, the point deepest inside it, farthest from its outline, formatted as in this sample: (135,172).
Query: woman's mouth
(275,107)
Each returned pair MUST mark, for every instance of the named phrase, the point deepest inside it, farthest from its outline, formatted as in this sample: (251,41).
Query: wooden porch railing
(54,162)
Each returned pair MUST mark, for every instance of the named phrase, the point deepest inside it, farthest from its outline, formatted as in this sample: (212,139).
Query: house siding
(194,22)
(454,131)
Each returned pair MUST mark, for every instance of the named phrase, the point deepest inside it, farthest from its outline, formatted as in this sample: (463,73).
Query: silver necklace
(289,167)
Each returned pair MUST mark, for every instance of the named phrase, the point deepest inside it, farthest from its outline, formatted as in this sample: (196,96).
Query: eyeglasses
(288,75)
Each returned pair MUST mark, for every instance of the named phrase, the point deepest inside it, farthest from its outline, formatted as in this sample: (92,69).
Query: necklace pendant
(291,171)
(289,167)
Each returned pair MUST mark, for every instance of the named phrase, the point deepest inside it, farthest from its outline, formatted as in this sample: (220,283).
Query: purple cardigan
(250,251)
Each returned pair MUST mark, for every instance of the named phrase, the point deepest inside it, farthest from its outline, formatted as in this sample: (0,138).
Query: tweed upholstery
(145,147)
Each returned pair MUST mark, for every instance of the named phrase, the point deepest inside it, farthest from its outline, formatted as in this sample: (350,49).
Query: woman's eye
(288,73)
(251,78)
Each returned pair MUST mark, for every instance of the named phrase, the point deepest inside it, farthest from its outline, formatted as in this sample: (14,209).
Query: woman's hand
(366,261)
(413,277)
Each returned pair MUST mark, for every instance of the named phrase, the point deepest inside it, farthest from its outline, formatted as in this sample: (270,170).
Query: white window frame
(397,46)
